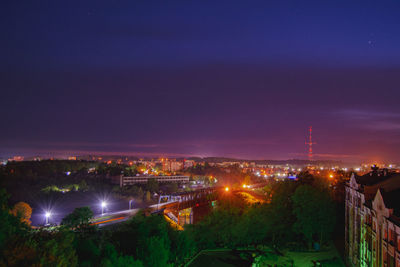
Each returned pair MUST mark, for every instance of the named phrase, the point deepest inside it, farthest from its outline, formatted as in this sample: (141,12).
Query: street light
(103,205)
(226,189)
(47,216)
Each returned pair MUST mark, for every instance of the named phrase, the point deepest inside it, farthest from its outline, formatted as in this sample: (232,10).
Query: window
(398,243)
(391,235)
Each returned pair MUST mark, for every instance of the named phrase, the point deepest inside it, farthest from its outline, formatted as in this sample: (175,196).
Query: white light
(48,214)
(103,204)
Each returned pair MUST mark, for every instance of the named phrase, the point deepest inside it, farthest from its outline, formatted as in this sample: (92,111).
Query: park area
(266,257)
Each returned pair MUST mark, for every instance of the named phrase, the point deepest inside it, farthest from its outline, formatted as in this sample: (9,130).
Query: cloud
(371,120)
(329,156)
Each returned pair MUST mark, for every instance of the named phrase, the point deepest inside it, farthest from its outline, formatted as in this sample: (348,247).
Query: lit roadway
(110,218)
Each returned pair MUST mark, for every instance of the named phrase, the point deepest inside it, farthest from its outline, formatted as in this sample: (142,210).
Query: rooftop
(376,176)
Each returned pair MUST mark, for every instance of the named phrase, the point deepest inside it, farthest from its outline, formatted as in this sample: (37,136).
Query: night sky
(239,79)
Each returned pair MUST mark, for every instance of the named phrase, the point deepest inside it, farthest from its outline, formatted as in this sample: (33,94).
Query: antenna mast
(310,143)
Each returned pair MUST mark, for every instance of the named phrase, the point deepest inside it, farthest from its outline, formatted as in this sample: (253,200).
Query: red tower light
(310,143)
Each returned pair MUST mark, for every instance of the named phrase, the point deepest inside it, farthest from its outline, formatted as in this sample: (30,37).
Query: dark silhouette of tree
(78,217)
(112,259)
(152,185)
(157,252)
(305,177)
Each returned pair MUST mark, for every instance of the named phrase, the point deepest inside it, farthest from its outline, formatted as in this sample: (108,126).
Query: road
(111,218)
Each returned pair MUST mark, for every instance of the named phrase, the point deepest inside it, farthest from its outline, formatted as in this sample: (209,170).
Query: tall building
(171,165)
(372,219)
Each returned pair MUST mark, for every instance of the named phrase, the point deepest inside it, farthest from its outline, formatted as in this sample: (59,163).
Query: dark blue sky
(209,78)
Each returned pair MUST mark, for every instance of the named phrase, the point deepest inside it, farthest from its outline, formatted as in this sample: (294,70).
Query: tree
(247,180)
(112,259)
(315,213)
(43,248)
(23,211)
(148,196)
(83,185)
(305,177)
(152,185)
(280,216)
(140,193)
(172,188)
(78,217)
(157,252)
(10,226)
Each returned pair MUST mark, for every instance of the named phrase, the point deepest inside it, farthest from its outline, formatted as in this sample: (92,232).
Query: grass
(266,257)
(223,258)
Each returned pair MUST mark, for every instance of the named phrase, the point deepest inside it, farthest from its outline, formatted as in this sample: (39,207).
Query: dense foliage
(295,214)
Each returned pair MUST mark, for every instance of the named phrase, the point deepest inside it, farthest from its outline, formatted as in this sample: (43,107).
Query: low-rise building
(132,180)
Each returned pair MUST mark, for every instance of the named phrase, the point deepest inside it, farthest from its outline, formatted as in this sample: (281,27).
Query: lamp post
(130,203)
(103,206)
(47,216)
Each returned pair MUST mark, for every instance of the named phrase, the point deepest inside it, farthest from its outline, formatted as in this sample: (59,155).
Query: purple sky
(215,78)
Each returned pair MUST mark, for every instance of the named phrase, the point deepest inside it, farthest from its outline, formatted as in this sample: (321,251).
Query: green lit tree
(315,213)
(78,217)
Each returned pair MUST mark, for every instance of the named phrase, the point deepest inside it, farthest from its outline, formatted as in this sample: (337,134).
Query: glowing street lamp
(47,216)
(103,206)
(226,189)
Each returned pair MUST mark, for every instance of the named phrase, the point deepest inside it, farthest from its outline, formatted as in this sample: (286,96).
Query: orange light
(244,186)
(227,189)
(330,175)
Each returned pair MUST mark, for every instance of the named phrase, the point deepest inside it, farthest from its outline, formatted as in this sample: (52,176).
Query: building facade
(132,180)
(372,219)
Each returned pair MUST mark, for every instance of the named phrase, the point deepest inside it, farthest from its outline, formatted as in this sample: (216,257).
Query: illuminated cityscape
(209,133)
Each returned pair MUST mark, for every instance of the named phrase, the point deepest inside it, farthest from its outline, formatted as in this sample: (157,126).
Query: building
(188,163)
(372,219)
(16,158)
(132,180)
(171,165)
